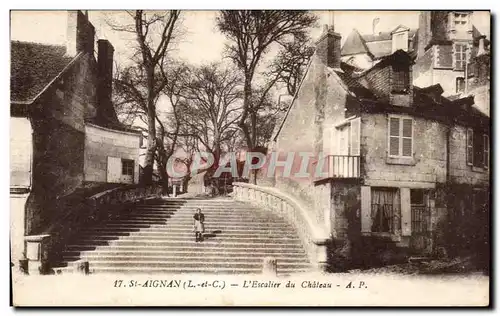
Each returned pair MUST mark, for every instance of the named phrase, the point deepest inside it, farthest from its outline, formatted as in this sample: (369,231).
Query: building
(405,166)
(447,43)
(364,51)
(65,135)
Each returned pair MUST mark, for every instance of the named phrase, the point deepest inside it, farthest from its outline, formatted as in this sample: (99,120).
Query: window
(400,137)
(385,210)
(400,41)
(127,167)
(460,21)
(460,56)
(470,147)
(400,79)
(486,141)
(417,197)
(460,85)
(478,149)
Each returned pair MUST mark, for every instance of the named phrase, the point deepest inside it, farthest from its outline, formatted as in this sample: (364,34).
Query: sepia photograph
(250,158)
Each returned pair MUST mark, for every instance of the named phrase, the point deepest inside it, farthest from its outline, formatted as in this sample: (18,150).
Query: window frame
(463,56)
(486,151)
(469,145)
(397,86)
(126,168)
(400,136)
(457,85)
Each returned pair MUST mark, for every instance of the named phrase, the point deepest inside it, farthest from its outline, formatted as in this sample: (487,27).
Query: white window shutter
(366,209)
(114,171)
(355,137)
(394,136)
(405,212)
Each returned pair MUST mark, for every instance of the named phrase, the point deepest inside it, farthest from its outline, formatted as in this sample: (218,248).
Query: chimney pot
(105,111)
(481,50)
(80,34)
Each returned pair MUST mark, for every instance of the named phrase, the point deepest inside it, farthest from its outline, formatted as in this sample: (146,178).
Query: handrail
(313,234)
(319,233)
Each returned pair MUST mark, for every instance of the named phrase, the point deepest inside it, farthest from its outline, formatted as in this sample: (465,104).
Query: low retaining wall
(313,235)
(43,249)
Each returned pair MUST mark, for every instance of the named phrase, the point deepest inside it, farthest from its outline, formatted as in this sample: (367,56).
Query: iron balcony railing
(343,166)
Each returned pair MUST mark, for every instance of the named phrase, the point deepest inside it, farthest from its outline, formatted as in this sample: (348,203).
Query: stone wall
(427,167)
(422,69)
(460,172)
(21,152)
(58,140)
(101,143)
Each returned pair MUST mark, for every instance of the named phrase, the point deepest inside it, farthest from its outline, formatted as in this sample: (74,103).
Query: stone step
(194,246)
(186,233)
(194,250)
(231,217)
(185,229)
(189,225)
(223,263)
(195,253)
(186,238)
(200,258)
(167,270)
(208,242)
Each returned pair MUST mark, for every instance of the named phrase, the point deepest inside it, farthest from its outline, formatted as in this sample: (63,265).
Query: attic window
(460,85)
(400,79)
(400,41)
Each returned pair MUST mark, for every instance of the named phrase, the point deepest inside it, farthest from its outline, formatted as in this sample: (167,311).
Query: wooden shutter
(114,170)
(486,159)
(355,137)
(407,138)
(469,146)
(366,209)
(394,136)
(405,212)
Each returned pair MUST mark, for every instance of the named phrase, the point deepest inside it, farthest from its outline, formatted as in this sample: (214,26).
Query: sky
(202,43)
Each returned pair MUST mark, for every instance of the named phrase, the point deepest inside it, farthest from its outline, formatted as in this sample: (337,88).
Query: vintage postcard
(250,158)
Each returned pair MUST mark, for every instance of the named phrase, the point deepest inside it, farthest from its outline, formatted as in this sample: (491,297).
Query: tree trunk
(150,153)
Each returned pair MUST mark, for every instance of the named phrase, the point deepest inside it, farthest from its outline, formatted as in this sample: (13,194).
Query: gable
(33,67)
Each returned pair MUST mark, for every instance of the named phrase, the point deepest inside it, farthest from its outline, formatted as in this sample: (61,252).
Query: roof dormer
(400,38)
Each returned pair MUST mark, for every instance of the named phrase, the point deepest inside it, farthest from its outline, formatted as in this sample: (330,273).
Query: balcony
(343,166)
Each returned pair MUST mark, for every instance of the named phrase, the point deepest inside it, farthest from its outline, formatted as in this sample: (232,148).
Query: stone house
(65,134)
(403,165)
(447,42)
(364,51)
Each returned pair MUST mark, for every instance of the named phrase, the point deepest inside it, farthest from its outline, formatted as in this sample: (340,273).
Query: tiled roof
(354,44)
(33,66)
(378,45)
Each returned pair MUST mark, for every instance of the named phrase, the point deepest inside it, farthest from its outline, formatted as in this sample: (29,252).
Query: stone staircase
(157,236)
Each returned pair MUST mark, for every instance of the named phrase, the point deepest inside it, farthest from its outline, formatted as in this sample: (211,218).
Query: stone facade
(103,143)
(53,103)
(409,179)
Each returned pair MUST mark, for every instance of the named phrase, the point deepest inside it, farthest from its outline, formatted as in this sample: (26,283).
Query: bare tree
(251,34)
(290,63)
(213,106)
(142,83)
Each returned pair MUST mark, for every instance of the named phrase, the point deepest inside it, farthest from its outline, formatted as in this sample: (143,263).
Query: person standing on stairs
(199,224)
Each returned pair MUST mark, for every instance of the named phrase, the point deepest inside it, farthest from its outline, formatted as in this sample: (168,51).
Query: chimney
(481,49)
(105,110)
(328,47)
(374,26)
(80,34)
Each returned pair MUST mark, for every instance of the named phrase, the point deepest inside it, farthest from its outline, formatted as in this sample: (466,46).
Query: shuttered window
(400,137)
(460,56)
(470,147)
(486,159)
(355,137)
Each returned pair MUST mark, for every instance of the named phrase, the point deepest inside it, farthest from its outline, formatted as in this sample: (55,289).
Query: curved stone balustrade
(41,249)
(314,235)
